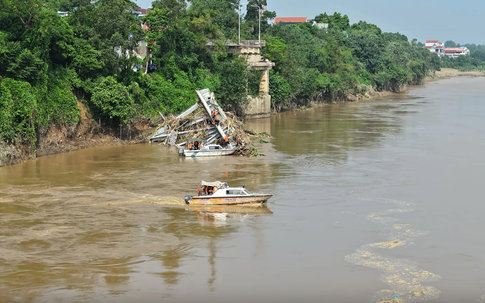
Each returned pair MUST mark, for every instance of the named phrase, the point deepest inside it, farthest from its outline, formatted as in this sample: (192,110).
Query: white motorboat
(220,193)
(208,150)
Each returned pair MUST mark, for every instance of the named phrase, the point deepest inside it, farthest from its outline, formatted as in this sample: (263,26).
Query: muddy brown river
(374,201)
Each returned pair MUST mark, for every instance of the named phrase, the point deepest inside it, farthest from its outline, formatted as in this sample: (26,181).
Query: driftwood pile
(197,122)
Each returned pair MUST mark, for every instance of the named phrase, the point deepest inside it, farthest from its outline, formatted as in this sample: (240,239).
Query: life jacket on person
(216,118)
(199,190)
(190,145)
(226,139)
(209,190)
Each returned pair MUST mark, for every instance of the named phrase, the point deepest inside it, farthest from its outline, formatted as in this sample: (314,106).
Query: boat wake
(404,277)
(153,200)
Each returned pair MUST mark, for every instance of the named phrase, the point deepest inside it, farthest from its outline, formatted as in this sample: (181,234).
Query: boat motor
(187,199)
(181,151)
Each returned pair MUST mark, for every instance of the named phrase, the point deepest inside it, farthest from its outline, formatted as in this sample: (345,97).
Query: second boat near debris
(198,149)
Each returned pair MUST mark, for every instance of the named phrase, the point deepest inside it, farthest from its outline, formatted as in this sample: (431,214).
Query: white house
(454,52)
(435,46)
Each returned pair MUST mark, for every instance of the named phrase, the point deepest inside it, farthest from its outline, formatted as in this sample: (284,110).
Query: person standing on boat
(238,142)
(190,146)
(226,141)
(216,119)
(196,144)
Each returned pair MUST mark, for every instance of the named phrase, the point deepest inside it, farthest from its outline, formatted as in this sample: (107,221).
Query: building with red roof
(143,11)
(454,52)
(290,20)
(435,46)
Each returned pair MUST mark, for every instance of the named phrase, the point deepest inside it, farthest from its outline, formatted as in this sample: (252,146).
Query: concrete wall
(141,49)
(257,107)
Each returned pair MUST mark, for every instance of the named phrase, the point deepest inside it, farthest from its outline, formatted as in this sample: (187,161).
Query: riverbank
(447,73)
(60,139)
(89,133)
(368,95)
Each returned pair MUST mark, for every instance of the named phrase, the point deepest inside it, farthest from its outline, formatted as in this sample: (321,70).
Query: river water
(374,201)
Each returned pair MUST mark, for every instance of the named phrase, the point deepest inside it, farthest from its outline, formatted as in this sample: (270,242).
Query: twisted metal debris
(197,122)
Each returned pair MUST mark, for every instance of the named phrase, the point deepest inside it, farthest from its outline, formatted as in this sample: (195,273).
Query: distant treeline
(49,63)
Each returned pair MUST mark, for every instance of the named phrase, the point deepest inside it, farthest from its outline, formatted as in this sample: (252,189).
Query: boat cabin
(220,189)
(238,191)
(214,146)
(220,193)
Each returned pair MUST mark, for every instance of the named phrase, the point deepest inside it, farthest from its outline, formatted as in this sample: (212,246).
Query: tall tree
(25,10)
(176,8)
(253,19)
(216,19)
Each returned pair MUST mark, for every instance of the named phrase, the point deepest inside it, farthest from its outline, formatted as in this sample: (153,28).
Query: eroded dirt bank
(60,139)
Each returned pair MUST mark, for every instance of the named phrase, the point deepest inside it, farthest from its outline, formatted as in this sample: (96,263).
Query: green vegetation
(476,60)
(49,63)
(326,65)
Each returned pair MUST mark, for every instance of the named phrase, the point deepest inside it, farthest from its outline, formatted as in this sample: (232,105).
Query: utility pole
(238,7)
(259,27)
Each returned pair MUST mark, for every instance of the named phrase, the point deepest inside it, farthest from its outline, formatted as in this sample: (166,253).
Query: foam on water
(406,280)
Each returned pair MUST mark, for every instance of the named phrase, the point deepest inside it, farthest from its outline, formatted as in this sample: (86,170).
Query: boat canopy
(218,184)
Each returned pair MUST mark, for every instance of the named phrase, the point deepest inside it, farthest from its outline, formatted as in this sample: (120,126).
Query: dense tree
(450,43)
(17,104)
(112,100)
(26,10)
(336,20)
(176,8)
(368,47)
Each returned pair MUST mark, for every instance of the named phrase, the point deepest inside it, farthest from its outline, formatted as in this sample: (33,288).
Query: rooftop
(290,20)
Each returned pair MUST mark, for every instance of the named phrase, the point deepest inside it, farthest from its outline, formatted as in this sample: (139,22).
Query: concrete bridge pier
(259,106)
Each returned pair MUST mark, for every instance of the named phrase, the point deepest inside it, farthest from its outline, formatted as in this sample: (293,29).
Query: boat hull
(207,153)
(252,208)
(228,200)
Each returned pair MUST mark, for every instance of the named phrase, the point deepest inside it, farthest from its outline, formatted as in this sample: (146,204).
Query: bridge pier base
(259,106)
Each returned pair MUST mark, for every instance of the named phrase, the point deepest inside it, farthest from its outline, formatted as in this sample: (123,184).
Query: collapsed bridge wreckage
(197,122)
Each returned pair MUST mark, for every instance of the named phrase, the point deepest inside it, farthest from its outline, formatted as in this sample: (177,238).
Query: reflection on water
(222,215)
(109,224)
